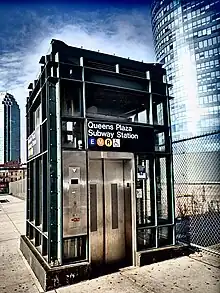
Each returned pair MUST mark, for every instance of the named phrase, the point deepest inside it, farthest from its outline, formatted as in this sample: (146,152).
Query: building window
(37,117)
(209,31)
(210,42)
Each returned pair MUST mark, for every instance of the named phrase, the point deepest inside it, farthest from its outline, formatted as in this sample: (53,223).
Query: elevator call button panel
(74,197)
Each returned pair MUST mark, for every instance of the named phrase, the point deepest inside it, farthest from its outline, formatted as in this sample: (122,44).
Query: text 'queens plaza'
(110,130)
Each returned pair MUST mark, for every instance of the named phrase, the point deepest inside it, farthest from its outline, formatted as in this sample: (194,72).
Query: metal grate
(196,164)
(74,249)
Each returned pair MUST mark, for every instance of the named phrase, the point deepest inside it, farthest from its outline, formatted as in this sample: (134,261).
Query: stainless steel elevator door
(96,212)
(114,211)
(107,211)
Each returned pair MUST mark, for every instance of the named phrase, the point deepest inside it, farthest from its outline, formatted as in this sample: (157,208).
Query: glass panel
(145,193)
(160,118)
(146,238)
(37,117)
(72,134)
(160,142)
(159,111)
(163,191)
(142,117)
(165,236)
(71,102)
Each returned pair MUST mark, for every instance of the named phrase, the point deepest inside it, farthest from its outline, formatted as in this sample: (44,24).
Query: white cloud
(123,34)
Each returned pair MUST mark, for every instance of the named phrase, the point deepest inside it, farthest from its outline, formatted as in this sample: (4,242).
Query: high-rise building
(187,41)
(9,129)
(186,37)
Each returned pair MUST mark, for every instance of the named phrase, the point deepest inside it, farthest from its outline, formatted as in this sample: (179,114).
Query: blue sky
(120,27)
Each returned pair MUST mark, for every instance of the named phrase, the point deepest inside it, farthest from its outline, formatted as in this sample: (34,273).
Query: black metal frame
(56,67)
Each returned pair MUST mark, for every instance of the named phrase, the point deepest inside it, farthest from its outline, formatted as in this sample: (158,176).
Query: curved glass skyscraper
(187,40)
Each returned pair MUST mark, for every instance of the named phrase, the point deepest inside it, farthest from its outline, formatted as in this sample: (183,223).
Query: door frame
(94,155)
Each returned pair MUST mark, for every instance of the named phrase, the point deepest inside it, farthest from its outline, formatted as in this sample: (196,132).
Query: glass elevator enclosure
(100,182)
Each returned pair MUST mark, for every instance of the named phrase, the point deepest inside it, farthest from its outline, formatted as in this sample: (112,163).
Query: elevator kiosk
(99,168)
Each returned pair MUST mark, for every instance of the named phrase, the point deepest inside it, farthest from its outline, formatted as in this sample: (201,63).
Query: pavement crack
(129,278)
(12,222)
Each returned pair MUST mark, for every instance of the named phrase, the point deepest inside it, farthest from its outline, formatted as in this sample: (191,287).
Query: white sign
(141,174)
(34,143)
(139,193)
(116,143)
(110,130)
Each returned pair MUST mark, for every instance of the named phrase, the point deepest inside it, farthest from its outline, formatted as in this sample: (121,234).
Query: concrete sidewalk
(186,274)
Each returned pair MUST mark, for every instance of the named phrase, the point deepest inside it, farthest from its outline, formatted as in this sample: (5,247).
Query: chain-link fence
(196,163)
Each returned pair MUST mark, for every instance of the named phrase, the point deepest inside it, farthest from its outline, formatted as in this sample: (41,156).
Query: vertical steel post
(59,177)
(171,165)
(52,175)
(155,202)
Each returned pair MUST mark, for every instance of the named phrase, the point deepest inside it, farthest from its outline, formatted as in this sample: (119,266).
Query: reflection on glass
(163,192)
(160,118)
(37,117)
(158,113)
(160,142)
(72,134)
(165,236)
(70,99)
(142,117)
(40,189)
(145,194)
(146,238)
